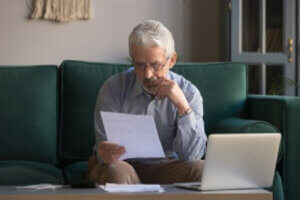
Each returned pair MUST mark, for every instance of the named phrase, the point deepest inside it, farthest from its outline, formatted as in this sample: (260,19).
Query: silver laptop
(238,161)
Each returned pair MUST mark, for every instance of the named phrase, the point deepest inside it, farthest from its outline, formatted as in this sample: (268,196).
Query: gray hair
(152,33)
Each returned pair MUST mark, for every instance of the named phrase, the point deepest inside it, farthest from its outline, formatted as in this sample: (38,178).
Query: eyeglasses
(154,66)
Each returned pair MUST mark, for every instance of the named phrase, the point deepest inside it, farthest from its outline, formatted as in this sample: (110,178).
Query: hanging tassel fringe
(61,10)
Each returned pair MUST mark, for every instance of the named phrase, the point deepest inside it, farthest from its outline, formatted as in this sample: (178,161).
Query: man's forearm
(190,141)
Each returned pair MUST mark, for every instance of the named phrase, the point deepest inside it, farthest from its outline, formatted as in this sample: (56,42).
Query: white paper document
(42,186)
(137,133)
(112,188)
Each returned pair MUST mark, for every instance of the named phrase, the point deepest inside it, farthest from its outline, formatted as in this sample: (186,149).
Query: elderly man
(149,88)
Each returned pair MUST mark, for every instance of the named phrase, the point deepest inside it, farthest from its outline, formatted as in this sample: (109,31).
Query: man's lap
(163,172)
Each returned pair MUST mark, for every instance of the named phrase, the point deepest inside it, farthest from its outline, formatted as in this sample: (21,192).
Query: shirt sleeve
(190,140)
(108,100)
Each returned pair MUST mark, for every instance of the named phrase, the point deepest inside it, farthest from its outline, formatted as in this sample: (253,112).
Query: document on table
(137,133)
(42,186)
(110,187)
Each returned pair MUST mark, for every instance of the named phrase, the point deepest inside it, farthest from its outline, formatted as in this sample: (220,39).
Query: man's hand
(169,88)
(110,152)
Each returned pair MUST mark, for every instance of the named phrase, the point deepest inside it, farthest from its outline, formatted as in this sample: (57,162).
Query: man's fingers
(109,158)
(161,87)
(160,82)
(115,151)
(119,153)
(157,82)
(116,156)
(162,91)
(123,150)
(110,152)
(110,146)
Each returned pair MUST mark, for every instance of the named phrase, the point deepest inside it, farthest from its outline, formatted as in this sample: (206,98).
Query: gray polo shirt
(183,137)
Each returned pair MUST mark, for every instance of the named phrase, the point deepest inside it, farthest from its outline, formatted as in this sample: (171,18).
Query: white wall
(104,37)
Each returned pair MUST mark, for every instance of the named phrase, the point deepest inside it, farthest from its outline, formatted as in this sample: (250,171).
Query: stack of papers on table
(42,186)
(110,187)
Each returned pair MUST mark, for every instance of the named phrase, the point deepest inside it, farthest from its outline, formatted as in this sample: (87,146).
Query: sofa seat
(28,172)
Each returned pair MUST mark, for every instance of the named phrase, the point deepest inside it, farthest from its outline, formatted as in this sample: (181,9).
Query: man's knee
(197,165)
(196,169)
(117,172)
(92,162)
(120,170)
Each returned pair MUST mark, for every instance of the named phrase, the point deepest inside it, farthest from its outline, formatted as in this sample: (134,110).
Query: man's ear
(173,60)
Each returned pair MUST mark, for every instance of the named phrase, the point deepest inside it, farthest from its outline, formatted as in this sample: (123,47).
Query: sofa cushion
(76,172)
(223,87)
(28,113)
(27,172)
(81,82)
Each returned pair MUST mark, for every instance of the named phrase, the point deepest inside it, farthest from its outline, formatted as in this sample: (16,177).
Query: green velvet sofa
(46,118)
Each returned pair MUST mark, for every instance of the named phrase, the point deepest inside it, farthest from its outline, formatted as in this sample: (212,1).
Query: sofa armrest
(240,125)
(284,113)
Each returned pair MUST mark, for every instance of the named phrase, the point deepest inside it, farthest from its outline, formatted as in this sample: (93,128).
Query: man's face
(151,63)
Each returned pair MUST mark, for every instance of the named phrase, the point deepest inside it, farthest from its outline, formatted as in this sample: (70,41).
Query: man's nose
(148,72)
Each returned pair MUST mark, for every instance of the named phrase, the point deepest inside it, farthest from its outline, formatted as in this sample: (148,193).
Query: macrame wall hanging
(61,10)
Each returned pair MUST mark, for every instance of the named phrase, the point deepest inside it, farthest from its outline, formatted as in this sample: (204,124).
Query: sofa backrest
(222,85)
(28,113)
(80,83)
